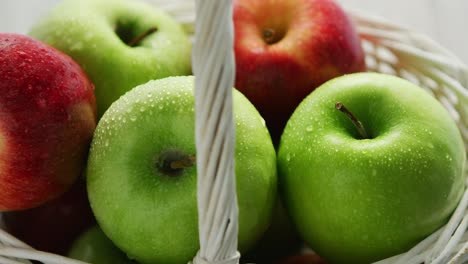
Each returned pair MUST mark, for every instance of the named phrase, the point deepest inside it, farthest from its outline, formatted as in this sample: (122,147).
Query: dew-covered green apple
(369,165)
(142,172)
(118,43)
(94,247)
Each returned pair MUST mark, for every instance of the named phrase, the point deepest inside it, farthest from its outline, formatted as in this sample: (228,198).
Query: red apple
(285,49)
(306,258)
(47,119)
(54,226)
(281,239)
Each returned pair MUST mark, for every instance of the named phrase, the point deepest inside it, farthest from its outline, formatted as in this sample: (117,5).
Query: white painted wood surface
(445,21)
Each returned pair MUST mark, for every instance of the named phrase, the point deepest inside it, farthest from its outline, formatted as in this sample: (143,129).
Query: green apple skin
(86,31)
(149,214)
(360,200)
(94,247)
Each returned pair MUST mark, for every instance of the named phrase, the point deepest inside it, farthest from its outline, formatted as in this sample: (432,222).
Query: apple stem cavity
(184,162)
(134,42)
(362,131)
(271,36)
(173,162)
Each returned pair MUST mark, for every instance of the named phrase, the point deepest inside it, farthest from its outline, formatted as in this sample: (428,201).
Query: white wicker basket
(389,49)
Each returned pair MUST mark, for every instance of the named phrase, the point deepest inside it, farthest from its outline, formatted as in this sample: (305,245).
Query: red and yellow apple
(285,49)
(47,119)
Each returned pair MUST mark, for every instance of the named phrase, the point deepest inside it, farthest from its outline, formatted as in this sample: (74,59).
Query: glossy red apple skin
(54,226)
(312,41)
(306,258)
(47,119)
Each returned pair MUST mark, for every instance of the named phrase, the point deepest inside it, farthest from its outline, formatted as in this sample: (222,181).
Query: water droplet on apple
(22,54)
(288,157)
(76,46)
(89,35)
(374,172)
(41,103)
(133,119)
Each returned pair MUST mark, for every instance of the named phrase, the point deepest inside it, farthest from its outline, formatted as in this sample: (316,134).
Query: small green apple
(98,35)
(358,200)
(142,176)
(94,247)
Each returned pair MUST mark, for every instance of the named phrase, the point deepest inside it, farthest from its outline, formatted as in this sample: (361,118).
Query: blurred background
(445,21)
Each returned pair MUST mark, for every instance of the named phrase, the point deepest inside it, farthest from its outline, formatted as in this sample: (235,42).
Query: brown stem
(185,162)
(356,122)
(269,35)
(134,42)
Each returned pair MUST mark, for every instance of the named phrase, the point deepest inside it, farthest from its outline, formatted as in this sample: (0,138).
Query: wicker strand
(44,257)
(416,251)
(213,65)
(4,260)
(462,256)
(9,240)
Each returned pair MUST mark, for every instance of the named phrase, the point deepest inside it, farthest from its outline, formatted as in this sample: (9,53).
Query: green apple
(107,38)
(94,247)
(142,176)
(359,199)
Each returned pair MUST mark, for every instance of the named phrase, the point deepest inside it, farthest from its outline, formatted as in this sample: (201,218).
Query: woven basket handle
(214,69)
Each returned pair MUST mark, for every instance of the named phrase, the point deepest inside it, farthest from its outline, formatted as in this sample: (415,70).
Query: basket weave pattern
(389,49)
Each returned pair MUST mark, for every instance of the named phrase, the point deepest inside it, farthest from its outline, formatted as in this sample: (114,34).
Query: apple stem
(269,35)
(185,162)
(134,42)
(356,122)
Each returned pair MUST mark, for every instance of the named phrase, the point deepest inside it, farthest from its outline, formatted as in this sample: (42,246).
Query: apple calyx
(173,162)
(362,131)
(135,41)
